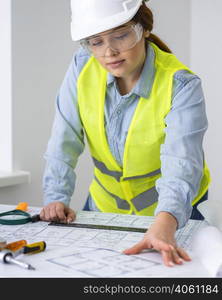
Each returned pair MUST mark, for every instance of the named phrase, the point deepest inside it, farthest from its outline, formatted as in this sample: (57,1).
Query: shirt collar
(145,81)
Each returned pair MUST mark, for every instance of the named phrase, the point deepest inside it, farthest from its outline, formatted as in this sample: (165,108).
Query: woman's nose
(110,52)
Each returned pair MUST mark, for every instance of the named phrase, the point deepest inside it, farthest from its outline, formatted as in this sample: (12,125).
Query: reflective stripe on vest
(117,175)
(140,202)
(145,199)
(121,203)
(102,167)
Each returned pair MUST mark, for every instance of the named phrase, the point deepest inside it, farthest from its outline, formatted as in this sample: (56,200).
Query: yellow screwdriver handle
(34,248)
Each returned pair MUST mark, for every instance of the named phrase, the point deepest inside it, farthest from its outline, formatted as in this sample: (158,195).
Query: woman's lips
(115,64)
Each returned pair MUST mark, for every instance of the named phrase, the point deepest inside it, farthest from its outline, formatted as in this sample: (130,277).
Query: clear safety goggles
(119,40)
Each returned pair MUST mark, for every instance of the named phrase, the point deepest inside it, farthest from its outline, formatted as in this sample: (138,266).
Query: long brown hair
(144,16)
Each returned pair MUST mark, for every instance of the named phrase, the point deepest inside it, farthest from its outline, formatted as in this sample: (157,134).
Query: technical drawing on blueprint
(83,252)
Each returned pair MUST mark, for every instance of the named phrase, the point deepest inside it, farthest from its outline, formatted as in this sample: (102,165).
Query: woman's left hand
(160,237)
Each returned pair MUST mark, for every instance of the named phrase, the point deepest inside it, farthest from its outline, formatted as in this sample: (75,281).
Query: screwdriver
(31,248)
(14,246)
(6,256)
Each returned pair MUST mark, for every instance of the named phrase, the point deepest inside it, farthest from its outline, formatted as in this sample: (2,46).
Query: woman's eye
(122,36)
(96,43)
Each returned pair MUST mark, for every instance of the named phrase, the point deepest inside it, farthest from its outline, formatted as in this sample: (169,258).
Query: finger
(167,258)
(183,254)
(70,216)
(52,213)
(176,256)
(137,248)
(42,214)
(46,214)
(60,212)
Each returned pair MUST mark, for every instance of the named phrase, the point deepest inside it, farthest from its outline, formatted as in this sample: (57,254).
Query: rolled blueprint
(211,210)
(207,245)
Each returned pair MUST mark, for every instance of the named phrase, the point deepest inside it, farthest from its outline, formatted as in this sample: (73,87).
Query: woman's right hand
(57,211)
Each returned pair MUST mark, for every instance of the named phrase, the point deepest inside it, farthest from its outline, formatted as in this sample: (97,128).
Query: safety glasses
(119,40)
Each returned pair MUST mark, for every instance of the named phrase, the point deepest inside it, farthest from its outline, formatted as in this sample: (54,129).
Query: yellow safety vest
(129,189)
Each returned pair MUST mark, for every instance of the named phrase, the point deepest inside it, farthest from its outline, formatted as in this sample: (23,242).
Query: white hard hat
(90,17)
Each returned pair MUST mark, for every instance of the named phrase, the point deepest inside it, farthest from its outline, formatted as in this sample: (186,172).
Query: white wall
(41,52)
(6,86)
(172,24)
(42,49)
(206,61)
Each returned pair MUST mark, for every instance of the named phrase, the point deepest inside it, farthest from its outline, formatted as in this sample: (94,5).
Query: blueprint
(84,252)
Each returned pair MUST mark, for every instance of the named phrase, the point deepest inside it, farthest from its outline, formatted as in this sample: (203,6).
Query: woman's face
(125,64)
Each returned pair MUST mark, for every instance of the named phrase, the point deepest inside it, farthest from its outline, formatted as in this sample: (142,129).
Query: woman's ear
(146,34)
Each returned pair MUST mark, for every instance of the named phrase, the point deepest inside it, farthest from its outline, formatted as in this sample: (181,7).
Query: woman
(143,114)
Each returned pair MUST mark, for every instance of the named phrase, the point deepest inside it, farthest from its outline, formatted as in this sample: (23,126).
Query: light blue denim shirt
(181,153)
